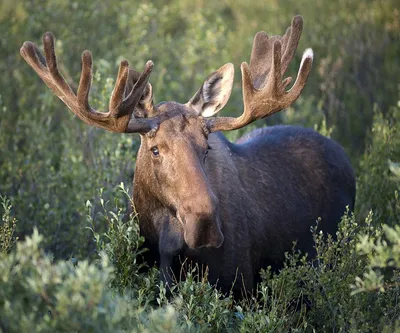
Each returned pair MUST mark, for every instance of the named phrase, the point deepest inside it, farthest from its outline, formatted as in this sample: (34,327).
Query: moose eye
(155,151)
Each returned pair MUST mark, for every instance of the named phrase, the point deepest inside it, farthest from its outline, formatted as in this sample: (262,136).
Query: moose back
(233,207)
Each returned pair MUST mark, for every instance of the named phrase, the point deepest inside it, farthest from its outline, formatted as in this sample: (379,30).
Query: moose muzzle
(201,223)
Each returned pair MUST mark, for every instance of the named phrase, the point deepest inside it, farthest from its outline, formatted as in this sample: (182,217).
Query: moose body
(235,207)
(271,185)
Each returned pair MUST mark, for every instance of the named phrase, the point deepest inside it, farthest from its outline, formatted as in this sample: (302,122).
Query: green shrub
(376,185)
(315,297)
(39,295)
(123,245)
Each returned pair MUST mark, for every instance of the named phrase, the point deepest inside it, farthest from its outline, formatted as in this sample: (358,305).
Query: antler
(123,101)
(263,88)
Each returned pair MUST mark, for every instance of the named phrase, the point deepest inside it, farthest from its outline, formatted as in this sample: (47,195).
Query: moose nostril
(218,240)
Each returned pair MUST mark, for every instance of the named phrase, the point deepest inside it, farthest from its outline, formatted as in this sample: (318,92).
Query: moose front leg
(171,243)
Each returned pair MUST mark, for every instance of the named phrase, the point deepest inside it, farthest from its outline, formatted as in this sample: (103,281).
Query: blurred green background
(51,163)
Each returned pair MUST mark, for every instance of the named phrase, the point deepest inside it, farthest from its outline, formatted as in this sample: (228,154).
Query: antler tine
(118,119)
(140,86)
(51,73)
(262,85)
(260,59)
(36,60)
(302,75)
(290,41)
(85,81)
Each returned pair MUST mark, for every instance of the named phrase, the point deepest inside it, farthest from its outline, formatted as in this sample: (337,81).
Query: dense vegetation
(69,250)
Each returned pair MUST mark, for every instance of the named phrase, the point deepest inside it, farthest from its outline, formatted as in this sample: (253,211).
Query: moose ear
(214,93)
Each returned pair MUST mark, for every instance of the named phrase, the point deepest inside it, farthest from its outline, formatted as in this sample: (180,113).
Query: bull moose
(234,207)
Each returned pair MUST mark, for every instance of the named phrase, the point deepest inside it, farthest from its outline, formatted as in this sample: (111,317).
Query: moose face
(174,159)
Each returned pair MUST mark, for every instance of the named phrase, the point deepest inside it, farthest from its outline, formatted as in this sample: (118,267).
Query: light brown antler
(123,101)
(263,88)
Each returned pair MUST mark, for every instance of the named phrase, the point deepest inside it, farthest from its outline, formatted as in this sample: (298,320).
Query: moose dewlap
(233,207)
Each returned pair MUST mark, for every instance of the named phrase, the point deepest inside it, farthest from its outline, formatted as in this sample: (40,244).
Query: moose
(233,207)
